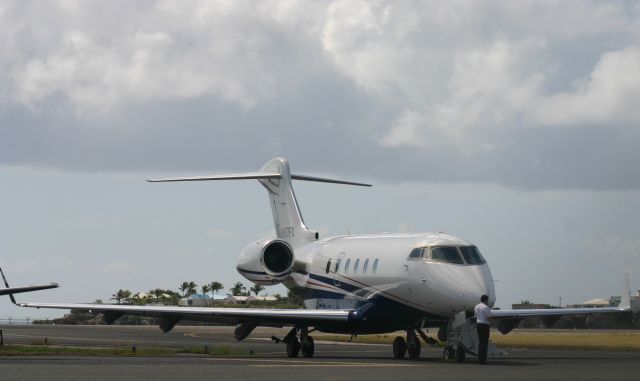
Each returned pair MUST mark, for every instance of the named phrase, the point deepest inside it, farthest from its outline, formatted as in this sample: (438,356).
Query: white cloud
(405,130)
(467,83)
(168,50)
(608,95)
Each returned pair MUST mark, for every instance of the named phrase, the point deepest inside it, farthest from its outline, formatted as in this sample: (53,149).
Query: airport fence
(16,321)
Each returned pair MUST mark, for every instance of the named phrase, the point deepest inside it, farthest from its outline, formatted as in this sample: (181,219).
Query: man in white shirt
(483,314)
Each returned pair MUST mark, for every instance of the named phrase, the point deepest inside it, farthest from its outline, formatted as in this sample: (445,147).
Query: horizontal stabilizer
(325,180)
(256,176)
(276,177)
(238,176)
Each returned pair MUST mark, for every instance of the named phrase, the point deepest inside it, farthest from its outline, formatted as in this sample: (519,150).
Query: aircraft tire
(414,352)
(399,347)
(307,347)
(293,348)
(449,353)
(460,353)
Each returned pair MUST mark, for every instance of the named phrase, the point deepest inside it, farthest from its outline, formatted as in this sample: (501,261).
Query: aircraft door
(415,265)
(338,267)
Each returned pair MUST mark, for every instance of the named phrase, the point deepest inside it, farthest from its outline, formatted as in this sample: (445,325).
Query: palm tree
(121,295)
(237,289)
(192,288)
(188,288)
(216,286)
(206,288)
(256,288)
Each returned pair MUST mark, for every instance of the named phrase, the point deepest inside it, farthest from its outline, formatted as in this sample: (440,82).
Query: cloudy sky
(515,125)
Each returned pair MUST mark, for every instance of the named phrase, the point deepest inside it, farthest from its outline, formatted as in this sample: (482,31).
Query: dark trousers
(483,342)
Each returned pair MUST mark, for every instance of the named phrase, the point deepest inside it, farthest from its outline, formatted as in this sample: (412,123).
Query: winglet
(625,298)
(17,290)
(13,300)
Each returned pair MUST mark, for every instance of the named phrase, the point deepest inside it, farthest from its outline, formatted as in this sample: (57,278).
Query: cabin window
(328,266)
(447,254)
(416,253)
(355,265)
(375,266)
(365,266)
(338,265)
(346,265)
(472,255)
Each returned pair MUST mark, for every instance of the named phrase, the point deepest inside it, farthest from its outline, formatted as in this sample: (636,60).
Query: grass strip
(609,341)
(53,350)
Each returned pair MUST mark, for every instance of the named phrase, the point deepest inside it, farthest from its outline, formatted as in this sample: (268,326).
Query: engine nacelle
(267,261)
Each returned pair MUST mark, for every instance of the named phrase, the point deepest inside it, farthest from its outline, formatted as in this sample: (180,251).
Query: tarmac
(267,360)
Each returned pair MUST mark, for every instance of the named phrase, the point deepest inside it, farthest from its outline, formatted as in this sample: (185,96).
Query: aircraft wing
(509,319)
(17,290)
(530,313)
(170,315)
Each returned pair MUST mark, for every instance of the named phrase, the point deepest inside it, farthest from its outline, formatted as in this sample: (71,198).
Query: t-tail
(276,177)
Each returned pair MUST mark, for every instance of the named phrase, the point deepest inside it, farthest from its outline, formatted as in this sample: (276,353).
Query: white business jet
(356,284)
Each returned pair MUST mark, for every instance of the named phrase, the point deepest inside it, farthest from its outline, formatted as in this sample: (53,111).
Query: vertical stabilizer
(625,298)
(287,218)
(276,177)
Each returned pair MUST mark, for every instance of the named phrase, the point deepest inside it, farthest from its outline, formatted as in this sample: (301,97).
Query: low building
(202,300)
(596,303)
(266,298)
(239,299)
(528,306)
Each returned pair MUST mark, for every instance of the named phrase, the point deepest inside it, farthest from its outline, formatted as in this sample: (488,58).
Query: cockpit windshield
(459,255)
(448,254)
(471,255)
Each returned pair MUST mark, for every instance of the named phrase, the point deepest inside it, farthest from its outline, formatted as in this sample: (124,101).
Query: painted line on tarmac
(307,363)
(322,351)
(331,365)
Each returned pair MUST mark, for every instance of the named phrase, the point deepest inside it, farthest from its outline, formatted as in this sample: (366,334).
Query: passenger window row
(356,266)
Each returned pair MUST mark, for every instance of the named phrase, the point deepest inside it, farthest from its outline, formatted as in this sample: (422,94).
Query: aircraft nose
(484,284)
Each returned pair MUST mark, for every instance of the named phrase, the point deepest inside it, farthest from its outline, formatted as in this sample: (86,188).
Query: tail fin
(276,177)
(625,298)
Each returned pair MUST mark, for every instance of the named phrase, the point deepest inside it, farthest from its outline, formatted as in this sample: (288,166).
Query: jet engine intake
(268,261)
(277,258)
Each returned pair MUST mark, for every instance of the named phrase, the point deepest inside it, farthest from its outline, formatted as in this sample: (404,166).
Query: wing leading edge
(226,315)
(509,319)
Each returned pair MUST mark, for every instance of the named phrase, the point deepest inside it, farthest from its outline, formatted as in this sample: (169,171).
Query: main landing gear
(411,345)
(298,340)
